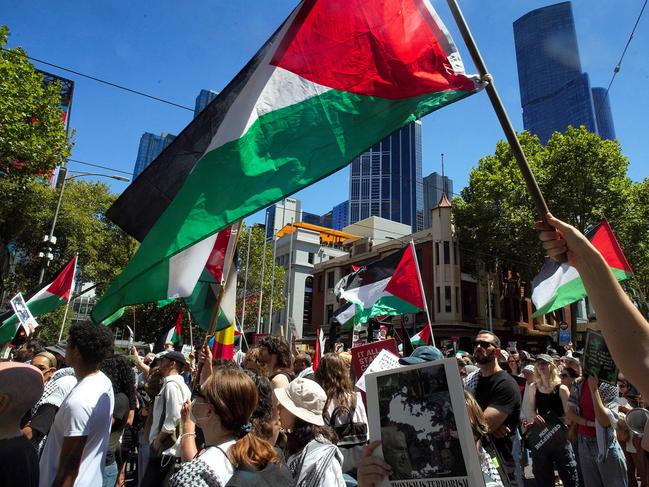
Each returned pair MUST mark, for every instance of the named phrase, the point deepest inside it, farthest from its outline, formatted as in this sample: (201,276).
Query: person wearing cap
(499,396)
(234,454)
(77,442)
(546,400)
(571,362)
(312,458)
(165,422)
(528,373)
(20,387)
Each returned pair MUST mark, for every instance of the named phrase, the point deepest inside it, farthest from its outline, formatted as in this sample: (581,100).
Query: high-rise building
(603,114)
(434,185)
(203,99)
(555,93)
(151,145)
(340,215)
(386,180)
(283,213)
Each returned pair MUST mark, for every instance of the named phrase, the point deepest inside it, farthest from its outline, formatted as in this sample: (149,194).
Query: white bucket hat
(305,399)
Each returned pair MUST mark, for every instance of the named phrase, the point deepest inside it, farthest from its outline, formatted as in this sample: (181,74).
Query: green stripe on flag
(384,306)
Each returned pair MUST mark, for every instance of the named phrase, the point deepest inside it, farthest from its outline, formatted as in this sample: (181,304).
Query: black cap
(175,356)
(59,348)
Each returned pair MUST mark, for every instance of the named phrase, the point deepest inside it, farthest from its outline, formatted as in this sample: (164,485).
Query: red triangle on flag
(404,283)
(603,239)
(62,284)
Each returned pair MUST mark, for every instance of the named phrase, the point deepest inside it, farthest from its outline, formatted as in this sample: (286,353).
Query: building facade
(434,185)
(554,91)
(151,145)
(340,215)
(203,99)
(386,180)
(603,115)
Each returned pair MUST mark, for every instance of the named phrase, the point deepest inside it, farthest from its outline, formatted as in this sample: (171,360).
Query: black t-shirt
(41,422)
(500,391)
(19,465)
(120,414)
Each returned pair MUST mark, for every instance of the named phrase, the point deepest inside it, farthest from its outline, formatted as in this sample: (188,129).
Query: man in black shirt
(498,395)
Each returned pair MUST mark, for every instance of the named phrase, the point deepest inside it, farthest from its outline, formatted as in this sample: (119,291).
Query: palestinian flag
(43,301)
(337,77)
(559,284)
(114,317)
(389,286)
(422,338)
(173,335)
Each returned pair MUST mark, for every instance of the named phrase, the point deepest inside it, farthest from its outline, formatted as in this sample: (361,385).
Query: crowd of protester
(77,413)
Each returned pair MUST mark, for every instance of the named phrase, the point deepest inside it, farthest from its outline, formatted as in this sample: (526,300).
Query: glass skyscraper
(340,215)
(555,93)
(603,114)
(151,145)
(386,180)
(434,185)
(202,100)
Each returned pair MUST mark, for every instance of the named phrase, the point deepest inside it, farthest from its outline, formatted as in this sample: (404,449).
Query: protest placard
(363,355)
(597,358)
(385,360)
(23,313)
(548,438)
(419,414)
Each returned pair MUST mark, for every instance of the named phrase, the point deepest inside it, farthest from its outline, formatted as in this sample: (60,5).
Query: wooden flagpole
(497,104)
(423,294)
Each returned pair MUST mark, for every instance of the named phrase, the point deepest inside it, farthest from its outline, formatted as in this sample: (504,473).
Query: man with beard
(498,395)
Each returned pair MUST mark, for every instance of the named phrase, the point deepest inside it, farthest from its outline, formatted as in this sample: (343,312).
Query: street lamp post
(49,240)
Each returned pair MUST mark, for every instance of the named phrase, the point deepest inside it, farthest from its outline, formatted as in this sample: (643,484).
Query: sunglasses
(482,344)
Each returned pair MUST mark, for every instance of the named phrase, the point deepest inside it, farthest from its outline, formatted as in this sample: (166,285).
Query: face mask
(191,413)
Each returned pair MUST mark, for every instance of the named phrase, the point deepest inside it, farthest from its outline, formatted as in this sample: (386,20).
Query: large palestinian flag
(337,77)
(389,286)
(43,301)
(558,285)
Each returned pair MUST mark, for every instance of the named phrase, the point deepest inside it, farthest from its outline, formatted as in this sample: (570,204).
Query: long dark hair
(121,375)
(333,375)
(304,432)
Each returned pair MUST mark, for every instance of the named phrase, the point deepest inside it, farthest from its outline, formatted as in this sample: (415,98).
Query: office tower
(282,213)
(434,185)
(151,145)
(340,215)
(202,100)
(386,180)
(554,91)
(603,115)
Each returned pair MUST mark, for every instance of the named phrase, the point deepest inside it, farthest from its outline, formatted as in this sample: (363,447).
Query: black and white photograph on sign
(20,308)
(419,414)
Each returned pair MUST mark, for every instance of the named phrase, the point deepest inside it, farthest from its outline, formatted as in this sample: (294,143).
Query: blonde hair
(476,416)
(555,379)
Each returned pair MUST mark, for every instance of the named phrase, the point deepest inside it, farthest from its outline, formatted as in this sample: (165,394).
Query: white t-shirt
(63,387)
(218,462)
(87,411)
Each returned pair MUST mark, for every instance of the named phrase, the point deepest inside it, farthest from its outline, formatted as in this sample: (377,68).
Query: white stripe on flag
(185,267)
(547,289)
(367,294)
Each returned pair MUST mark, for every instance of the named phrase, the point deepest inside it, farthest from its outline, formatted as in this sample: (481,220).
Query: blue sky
(173,49)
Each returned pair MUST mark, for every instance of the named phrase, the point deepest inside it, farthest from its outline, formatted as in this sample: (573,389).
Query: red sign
(363,355)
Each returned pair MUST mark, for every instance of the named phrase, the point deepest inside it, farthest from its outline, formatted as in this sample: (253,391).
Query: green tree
(26,212)
(32,136)
(583,179)
(274,278)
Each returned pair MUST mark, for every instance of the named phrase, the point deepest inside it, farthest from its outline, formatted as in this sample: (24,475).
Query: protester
(498,395)
(165,421)
(572,363)
(265,418)
(122,378)
(234,455)
(57,387)
(514,365)
(20,387)
(28,349)
(77,442)
(275,353)
(628,344)
(253,361)
(58,350)
(344,410)
(546,400)
(152,388)
(312,457)
(636,460)
(568,377)
(528,373)
(302,366)
(593,407)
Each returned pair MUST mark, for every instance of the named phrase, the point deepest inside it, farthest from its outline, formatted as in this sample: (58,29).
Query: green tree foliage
(583,179)
(32,136)
(26,212)
(274,278)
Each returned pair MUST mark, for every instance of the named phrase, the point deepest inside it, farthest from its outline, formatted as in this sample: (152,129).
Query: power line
(99,80)
(99,166)
(618,66)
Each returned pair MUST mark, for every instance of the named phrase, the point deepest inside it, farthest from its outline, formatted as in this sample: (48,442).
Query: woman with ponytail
(233,455)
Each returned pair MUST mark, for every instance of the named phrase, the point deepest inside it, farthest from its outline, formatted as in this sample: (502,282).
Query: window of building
(330,312)
(455,261)
(447,299)
(457,299)
(308,301)
(447,253)
(436,253)
(330,281)
(311,257)
(438,299)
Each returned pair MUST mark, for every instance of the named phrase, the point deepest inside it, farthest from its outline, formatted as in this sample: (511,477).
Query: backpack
(349,433)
